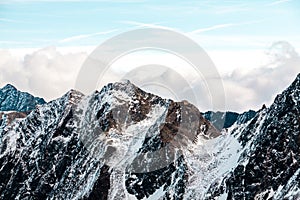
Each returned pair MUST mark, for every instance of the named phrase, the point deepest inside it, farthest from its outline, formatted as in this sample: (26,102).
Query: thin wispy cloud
(279,2)
(143,25)
(221,26)
(232,9)
(83,36)
(47,20)
(10,20)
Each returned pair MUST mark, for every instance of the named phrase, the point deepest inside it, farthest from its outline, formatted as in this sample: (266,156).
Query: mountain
(124,143)
(225,120)
(118,143)
(269,157)
(13,100)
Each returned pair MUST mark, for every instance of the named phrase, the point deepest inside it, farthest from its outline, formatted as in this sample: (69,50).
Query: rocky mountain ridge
(268,164)
(225,120)
(124,143)
(13,100)
(84,147)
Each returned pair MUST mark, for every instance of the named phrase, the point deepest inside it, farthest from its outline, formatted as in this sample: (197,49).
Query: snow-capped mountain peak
(13,100)
(116,143)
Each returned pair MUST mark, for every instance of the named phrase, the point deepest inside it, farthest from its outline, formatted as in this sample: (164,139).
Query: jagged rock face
(118,143)
(245,117)
(268,166)
(124,143)
(13,100)
(33,154)
(226,119)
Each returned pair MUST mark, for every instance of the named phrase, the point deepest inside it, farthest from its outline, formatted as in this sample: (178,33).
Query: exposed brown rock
(184,123)
(13,115)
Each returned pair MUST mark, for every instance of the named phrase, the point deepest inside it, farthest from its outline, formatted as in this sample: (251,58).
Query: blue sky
(29,23)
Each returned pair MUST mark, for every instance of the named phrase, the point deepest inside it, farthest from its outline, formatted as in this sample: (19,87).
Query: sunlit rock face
(118,143)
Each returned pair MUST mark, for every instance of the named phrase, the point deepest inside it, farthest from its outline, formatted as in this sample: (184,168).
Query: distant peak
(9,87)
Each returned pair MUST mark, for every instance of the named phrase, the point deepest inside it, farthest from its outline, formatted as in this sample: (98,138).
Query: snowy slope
(268,166)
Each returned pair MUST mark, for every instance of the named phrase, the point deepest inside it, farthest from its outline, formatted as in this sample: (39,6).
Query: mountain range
(124,143)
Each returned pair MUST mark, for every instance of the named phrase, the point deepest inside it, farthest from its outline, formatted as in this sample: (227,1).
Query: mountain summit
(118,143)
(13,100)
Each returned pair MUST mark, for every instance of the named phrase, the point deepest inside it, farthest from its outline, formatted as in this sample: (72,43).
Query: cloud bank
(254,87)
(49,73)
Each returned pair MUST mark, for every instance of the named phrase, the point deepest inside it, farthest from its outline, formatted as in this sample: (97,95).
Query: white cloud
(260,85)
(279,2)
(83,36)
(46,72)
(250,78)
